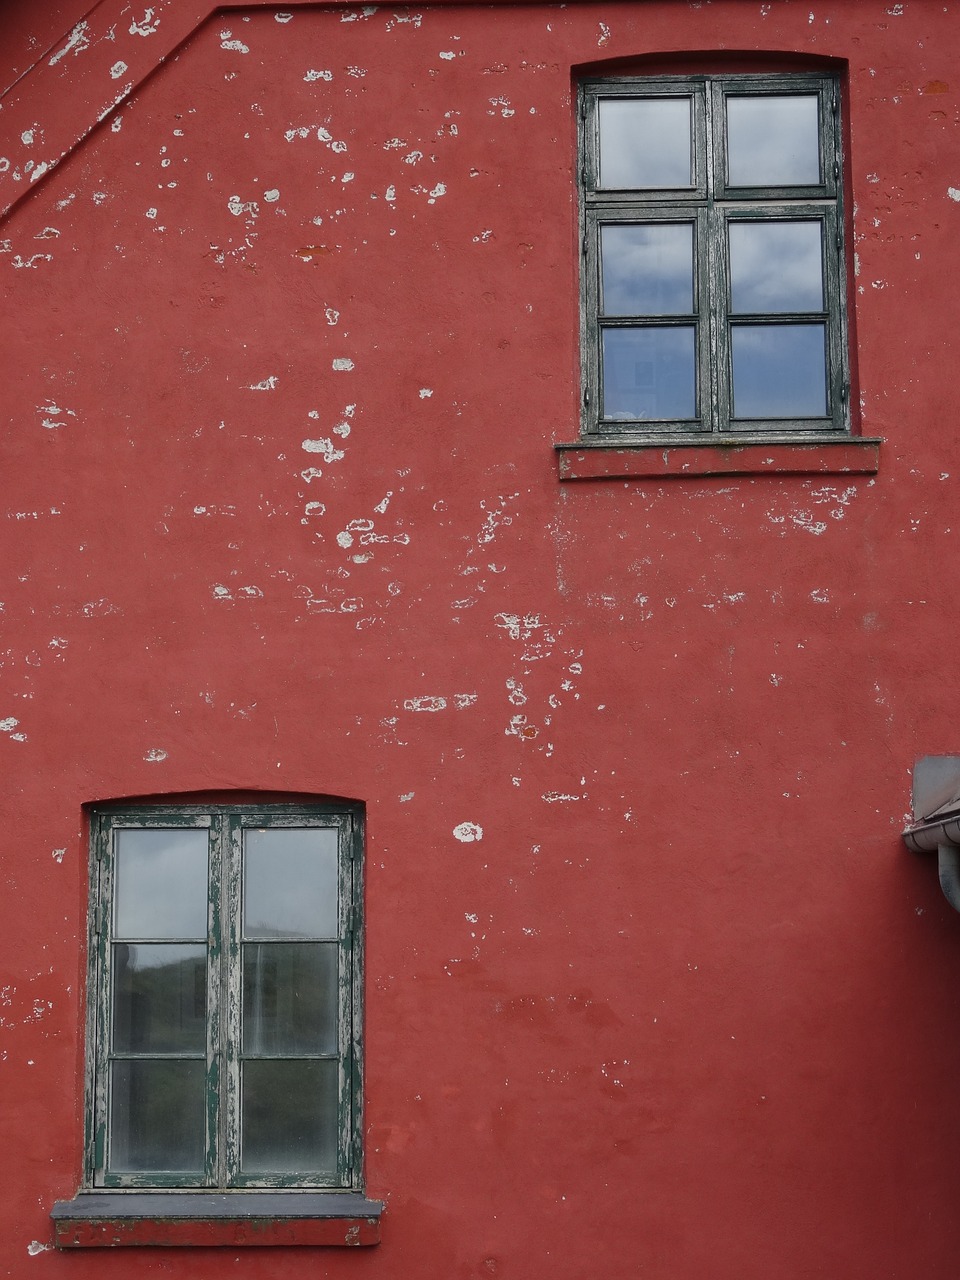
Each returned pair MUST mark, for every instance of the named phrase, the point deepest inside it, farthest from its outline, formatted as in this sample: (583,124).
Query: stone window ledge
(629,459)
(236,1219)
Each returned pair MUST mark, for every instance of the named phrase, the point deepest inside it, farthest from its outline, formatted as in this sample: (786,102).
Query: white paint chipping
(238,206)
(58,854)
(77,41)
(268,384)
(425,393)
(35,1247)
(342,364)
(953,193)
(427,702)
(235,46)
(155,755)
(271,196)
(323,446)
(117,70)
(468,832)
(318,75)
(147,27)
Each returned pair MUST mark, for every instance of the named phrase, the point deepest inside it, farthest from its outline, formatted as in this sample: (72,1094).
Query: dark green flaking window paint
(225,967)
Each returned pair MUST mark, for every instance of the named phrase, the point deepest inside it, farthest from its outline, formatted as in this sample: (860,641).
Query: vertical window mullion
(216,980)
(593,364)
(834,285)
(720,318)
(347,925)
(232,993)
(99,1008)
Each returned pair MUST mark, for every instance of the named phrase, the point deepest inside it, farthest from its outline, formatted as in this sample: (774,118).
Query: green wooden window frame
(227,1055)
(711,206)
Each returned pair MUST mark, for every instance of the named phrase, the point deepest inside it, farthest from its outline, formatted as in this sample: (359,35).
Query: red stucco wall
(286,343)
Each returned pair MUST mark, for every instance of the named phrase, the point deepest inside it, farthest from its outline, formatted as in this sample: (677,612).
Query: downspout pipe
(948,857)
(944,836)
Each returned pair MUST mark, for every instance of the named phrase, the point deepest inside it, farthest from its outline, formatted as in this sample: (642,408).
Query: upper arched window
(713,247)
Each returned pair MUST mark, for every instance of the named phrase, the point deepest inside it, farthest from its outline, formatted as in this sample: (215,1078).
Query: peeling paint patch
(20,263)
(425,703)
(268,384)
(77,41)
(9,725)
(155,755)
(558,797)
(468,832)
(58,854)
(425,393)
(326,447)
(235,46)
(147,26)
(238,206)
(35,1247)
(117,70)
(51,412)
(953,193)
(271,196)
(318,75)
(342,364)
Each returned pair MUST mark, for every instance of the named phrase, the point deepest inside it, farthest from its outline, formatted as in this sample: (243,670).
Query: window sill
(95,1220)
(624,459)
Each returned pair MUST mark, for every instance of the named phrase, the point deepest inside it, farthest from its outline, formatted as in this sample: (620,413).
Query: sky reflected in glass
(649,374)
(161,884)
(290,883)
(645,143)
(647,269)
(773,141)
(779,371)
(776,266)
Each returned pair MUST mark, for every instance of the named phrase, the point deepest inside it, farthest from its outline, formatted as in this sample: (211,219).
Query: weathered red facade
(289,336)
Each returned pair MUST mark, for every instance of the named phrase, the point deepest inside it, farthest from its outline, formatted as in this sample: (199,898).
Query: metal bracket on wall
(936,819)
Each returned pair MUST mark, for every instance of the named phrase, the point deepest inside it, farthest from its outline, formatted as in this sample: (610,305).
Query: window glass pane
(779,371)
(289,997)
(159,998)
(649,373)
(157,1116)
(773,140)
(290,883)
(289,1116)
(161,884)
(776,266)
(645,143)
(647,269)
